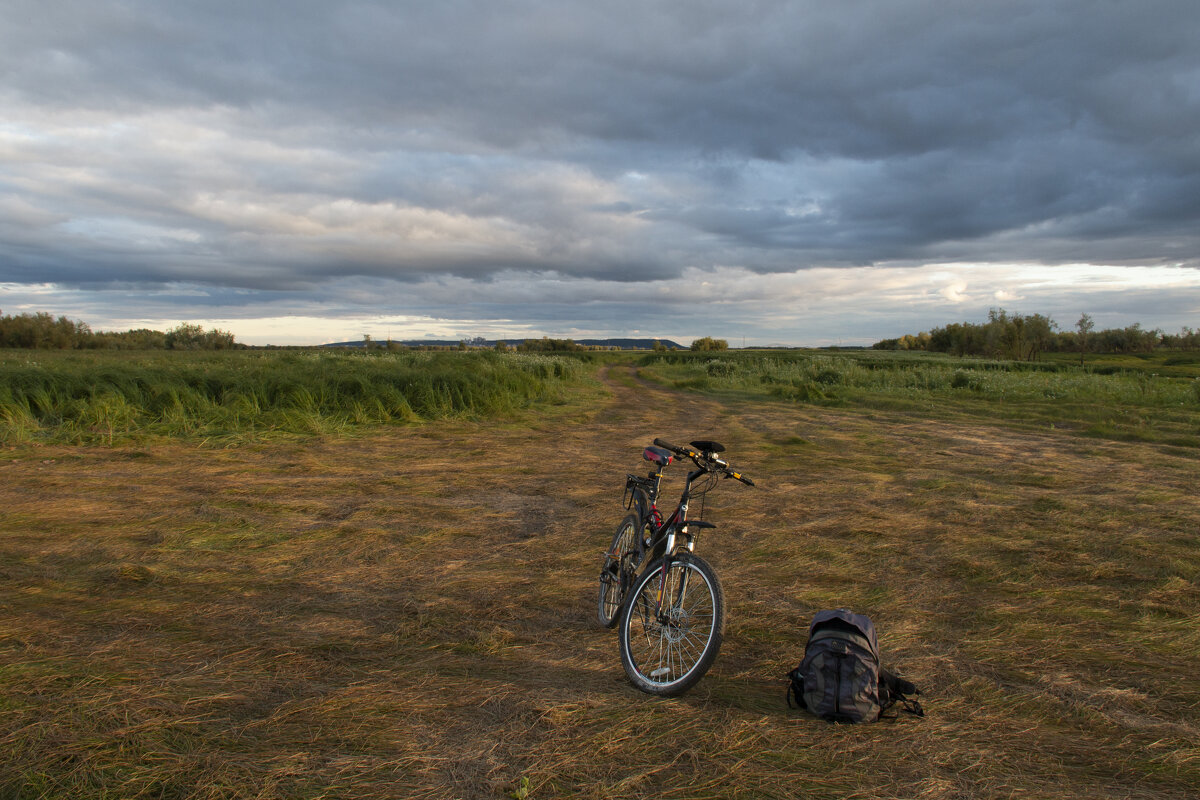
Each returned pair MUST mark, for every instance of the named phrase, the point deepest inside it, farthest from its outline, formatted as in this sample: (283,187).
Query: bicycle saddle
(657,455)
(705,446)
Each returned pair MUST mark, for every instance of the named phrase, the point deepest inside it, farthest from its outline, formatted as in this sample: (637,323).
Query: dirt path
(640,410)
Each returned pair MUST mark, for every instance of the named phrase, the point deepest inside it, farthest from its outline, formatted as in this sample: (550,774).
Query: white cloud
(785,167)
(955,292)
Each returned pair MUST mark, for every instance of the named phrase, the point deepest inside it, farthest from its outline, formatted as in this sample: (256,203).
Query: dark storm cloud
(274,146)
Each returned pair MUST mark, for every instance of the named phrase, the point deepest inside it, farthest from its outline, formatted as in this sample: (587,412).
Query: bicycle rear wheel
(666,653)
(617,572)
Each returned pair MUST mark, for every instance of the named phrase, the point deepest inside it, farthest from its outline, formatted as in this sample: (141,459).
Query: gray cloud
(273,148)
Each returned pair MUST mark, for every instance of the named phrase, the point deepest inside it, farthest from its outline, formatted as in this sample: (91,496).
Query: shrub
(828,377)
(721,368)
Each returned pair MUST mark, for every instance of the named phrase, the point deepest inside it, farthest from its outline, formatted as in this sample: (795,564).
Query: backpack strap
(894,689)
(795,688)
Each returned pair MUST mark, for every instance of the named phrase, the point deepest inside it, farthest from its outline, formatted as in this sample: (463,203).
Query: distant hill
(624,344)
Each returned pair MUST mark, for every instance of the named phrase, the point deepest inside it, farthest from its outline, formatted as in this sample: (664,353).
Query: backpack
(840,678)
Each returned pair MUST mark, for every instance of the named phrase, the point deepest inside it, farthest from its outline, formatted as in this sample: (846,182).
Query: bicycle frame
(676,524)
(669,603)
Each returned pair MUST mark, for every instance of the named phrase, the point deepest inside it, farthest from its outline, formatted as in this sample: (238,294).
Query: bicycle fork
(669,561)
(674,596)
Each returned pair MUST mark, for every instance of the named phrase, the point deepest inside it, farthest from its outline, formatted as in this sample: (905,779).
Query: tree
(1084,326)
(218,340)
(1186,339)
(43,331)
(708,343)
(187,336)
(140,339)
(1016,337)
(1039,334)
(547,345)
(997,337)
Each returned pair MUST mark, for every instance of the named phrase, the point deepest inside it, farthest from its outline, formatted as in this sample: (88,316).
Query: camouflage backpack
(840,678)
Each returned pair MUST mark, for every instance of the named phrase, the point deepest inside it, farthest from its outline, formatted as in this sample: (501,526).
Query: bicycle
(672,614)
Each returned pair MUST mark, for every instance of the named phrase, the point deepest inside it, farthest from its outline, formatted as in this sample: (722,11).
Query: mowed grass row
(105,397)
(412,614)
(1132,402)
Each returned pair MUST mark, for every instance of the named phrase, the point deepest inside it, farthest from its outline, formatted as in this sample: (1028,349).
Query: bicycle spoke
(676,643)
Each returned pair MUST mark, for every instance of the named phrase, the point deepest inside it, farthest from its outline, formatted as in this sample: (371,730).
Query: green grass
(103,397)
(1131,401)
(1169,363)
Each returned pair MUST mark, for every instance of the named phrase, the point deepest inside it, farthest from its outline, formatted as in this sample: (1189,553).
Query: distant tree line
(547,345)
(44,331)
(1025,338)
(543,345)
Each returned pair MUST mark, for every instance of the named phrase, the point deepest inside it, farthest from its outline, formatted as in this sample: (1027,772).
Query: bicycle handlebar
(710,461)
(679,451)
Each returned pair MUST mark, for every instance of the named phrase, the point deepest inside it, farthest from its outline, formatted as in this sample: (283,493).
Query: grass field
(107,396)
(1155,399)
(409,611)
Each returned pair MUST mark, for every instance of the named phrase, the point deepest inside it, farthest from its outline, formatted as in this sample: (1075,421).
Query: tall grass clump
(17,421)
(102,397)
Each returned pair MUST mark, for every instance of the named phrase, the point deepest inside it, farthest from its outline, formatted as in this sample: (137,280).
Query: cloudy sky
(799,172)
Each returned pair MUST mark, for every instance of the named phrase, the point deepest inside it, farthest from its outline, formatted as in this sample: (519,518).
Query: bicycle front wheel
(617,572)
(667,648)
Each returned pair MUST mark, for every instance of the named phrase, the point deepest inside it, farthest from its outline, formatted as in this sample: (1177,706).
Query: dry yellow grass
(410,613)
